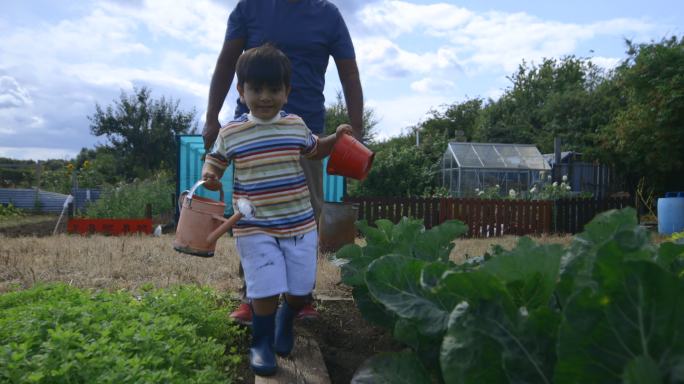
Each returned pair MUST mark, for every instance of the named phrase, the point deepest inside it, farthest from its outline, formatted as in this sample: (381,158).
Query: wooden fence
(573,214)
(485,217)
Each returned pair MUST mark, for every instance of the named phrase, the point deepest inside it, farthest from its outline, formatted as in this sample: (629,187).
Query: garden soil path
(345,339)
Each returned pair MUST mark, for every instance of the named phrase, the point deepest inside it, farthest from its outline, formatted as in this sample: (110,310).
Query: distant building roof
(498,156)
(565,157)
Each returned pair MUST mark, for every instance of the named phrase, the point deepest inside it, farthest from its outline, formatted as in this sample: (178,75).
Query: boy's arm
(212,170)
(326,144)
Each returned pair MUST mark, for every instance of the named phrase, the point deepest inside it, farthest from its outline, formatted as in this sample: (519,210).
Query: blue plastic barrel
(671,213)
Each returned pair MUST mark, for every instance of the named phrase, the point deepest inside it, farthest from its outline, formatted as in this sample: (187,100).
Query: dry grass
(128,262)
(466,248)
(6,222)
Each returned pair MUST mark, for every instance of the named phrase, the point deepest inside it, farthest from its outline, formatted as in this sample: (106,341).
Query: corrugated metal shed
(37,200)
(33,199)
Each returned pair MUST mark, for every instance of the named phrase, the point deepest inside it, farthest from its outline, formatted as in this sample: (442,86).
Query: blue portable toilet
(671,213)
(190,152)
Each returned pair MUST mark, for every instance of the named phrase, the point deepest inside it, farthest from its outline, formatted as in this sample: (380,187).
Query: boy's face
(264,101)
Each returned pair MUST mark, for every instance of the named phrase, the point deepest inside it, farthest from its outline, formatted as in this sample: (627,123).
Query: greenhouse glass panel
(489,156)
(466,156)
(467,166)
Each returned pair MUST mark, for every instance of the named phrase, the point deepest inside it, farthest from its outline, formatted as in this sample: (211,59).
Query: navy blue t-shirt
(308,32)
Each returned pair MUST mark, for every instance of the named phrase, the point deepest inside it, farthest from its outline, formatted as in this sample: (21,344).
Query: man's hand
(343,129)
(210,132)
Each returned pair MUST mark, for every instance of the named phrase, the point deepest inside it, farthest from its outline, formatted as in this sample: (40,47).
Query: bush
(129,200)
(57,333)
(10,211)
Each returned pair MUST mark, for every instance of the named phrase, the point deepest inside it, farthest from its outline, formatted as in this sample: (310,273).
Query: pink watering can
(201,221)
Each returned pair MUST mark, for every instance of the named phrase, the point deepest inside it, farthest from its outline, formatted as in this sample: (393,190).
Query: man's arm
(220,84)
(353,94)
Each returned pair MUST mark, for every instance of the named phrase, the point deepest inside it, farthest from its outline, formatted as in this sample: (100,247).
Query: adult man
(308,32)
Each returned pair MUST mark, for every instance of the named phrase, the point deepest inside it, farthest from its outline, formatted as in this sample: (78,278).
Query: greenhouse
(468,168)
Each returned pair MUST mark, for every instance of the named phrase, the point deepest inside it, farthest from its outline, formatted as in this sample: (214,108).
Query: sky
(58,59)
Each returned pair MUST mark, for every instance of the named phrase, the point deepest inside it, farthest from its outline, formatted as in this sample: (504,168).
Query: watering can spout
(244,209)
(223,228)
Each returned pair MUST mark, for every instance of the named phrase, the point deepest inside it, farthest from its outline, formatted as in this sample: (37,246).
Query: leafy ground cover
(9,211)
(604,309)
(57,333)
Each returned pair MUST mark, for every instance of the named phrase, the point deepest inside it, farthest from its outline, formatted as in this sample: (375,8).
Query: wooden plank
(305,365)
(499,217)
(525,217)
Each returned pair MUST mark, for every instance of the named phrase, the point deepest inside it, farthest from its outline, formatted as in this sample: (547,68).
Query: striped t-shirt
(267,172)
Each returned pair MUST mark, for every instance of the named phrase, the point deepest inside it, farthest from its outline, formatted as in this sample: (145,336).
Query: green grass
(60,334)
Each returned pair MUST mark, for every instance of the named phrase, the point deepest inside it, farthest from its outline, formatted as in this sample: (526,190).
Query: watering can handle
(188,194)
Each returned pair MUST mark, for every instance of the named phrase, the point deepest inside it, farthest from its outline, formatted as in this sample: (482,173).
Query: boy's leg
(265,275)
(262,359)
(313,171)
(300,261)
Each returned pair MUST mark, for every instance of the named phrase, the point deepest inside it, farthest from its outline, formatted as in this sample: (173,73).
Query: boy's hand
(211,182)
(343,129)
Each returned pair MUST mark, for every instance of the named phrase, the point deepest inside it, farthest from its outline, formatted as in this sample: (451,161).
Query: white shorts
(278,265)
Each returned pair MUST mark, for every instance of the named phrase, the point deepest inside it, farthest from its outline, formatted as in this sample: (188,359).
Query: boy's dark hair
(263,65)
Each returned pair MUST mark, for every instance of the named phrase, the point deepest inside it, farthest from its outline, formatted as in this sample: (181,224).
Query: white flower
(533,190)
(497,186)
(565,177)
(568,187)
(512,193)
(555,184)
(480,193)
(523,311)
(477,189)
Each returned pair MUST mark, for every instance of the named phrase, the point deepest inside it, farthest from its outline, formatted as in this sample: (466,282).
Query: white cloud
(37,153)
(399,17)
(382,58)
(397,114)
(475,41)
(432,85)
(12,95)
(191,21)
(606,62)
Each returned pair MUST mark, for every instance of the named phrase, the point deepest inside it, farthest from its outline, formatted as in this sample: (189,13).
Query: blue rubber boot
(284,334)
(261,357)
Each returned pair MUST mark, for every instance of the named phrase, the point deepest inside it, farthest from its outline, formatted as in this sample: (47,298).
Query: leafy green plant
(10,211)
(604,309)
(58,333)
(128,200)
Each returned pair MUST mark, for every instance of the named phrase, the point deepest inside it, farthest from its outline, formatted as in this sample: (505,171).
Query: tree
(336,114)
(462,118)
(141,132)
(553,99)
(646,137)
(399,169)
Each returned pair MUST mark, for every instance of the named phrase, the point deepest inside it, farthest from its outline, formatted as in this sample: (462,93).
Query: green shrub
(60,334)
(128,200)
(10,211)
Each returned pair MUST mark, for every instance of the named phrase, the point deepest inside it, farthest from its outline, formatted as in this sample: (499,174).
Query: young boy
(277,247)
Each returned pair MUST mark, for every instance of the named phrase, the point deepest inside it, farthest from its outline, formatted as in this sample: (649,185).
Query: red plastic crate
(112,227)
